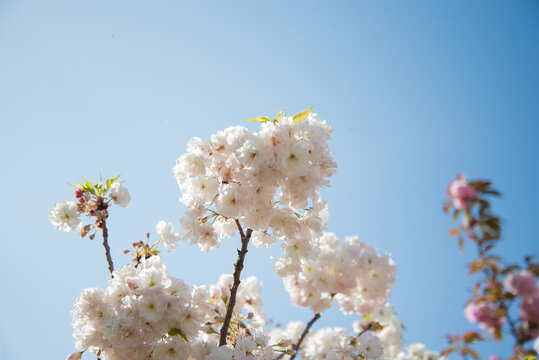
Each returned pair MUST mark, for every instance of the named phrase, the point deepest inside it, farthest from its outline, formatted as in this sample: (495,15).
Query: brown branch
(369,326)
(298,344)
(237,272)
(106,246)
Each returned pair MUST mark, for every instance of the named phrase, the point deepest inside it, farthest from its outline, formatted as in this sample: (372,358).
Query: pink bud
(79,193)
(494,357)
(75,355)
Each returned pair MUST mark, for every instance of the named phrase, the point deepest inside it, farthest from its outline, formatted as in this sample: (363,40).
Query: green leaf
(99,189)
(277,118)
(109,183)
(176,331)
(302,115)
(262,119)
(89,187)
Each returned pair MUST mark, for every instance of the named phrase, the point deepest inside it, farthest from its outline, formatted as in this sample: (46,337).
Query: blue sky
(416,92)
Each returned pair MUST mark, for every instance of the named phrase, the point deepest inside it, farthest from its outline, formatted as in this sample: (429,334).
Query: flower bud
(79,193)
(285,342)
(75,355)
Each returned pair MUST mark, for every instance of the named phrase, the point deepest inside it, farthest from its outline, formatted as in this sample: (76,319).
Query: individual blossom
(119,194)
(390,333)
(65,216)
(369,346)
(521,283)
(485,315)
(462,193)
(167,234)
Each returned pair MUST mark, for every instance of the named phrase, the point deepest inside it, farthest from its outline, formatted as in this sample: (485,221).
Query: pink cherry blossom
(461,193)
(484,314)
(522,283)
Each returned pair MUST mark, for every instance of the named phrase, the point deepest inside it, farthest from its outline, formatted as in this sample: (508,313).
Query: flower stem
(245,237)
(298,344)
(107,248)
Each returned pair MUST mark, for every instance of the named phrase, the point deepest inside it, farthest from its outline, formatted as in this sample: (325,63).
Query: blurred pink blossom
(461,193)
(522,283)
(484,314)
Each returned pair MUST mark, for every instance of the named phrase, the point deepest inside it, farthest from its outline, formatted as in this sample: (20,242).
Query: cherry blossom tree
(261,188)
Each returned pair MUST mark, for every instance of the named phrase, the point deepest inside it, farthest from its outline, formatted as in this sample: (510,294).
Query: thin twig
(106,246)
(369,326)
(298,344)
(237,272)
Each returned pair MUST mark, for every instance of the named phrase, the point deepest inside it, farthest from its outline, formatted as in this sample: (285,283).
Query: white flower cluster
(329,344)
(141,306)
(352,273)
(247,299)
(337,343)
(146,314)
(418,351)
(288,335)
(65,216)
(265,180)
(390,334)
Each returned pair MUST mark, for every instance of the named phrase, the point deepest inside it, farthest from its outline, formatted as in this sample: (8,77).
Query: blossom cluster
(501,285)
(141,306)
(93,201)
(352,273)
(389,330)
(144,313)
(338,343)
(418,351)
(266,180)
(384,341)
(248,300)
(524,285)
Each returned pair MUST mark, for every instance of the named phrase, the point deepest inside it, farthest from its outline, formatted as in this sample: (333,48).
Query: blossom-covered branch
(298,344)
(501,286)
(238,267)
(93,200)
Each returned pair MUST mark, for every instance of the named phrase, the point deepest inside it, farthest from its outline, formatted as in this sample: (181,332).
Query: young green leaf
(109,183)
(262,119)
(176,331)
(277,118)
(302,115)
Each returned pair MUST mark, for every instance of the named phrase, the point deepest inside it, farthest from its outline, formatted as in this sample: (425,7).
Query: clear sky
(416,92)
